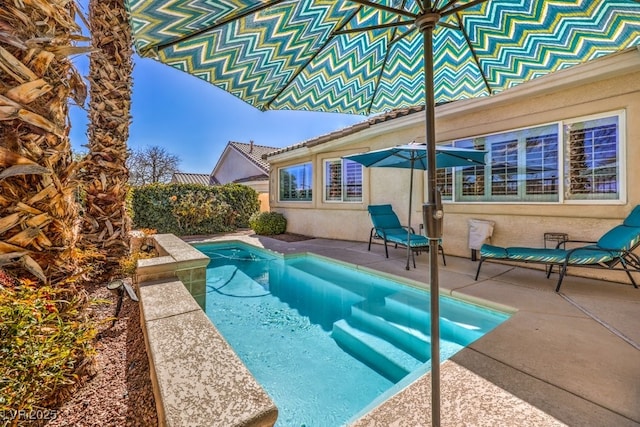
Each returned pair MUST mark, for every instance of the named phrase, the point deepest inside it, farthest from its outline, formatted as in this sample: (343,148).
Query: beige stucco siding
(234,166)
(263,198)
(517,224)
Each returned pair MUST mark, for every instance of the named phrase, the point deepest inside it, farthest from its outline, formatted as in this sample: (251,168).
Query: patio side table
(555,240)
(558,238)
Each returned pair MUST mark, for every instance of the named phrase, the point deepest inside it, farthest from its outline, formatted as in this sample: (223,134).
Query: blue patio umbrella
(414,156)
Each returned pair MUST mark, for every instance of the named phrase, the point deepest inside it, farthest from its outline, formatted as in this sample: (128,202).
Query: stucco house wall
(244,164)
(604,85)
(233,166)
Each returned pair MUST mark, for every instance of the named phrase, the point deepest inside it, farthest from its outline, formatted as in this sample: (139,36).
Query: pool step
(306,292)
(374,351)
(456,324)
(375,318)
(349,279)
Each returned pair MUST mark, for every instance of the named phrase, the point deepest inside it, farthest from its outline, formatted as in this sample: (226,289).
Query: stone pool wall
(177,259)
(198,379)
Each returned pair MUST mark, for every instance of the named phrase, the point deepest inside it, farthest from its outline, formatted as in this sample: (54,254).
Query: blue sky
(194,119)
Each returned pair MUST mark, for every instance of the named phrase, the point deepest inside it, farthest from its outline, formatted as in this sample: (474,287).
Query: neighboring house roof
(241,162)
(380,118)
(254,153)
(252,178)
(190,178)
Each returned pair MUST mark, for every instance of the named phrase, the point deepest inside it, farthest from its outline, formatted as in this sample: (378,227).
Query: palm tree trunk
(105,175)
(38,208)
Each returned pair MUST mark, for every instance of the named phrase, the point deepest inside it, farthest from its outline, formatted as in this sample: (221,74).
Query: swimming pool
(323,338)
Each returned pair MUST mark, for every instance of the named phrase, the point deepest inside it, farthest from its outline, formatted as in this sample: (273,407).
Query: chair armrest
(574,241)
(380,232)
(409,228)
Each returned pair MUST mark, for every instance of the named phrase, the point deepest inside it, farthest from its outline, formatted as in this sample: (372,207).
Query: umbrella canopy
(414,156)
(366,56)
(363,57)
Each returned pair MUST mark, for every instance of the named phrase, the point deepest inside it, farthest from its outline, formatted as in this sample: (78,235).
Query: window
(542,165)
(525,165)
(296,182)
(521,165)
(592,159)
(342,181)
(444,182)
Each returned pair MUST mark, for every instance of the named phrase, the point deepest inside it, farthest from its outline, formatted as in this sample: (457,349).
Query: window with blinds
(525,165)
(592,159)
(541,175)
(342,181)
(504,168)
(444,182)
(295,183)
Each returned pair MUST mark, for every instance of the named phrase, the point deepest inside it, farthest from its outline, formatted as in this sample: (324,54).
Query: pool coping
(195,374)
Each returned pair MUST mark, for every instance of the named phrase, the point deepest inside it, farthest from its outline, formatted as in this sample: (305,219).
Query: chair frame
(380,233)
(623,260)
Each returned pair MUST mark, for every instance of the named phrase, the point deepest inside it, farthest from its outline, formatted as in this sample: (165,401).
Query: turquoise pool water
(324,339)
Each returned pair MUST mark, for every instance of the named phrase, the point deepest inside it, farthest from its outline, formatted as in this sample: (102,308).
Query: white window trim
(622,160)
(280,199)
(324,182)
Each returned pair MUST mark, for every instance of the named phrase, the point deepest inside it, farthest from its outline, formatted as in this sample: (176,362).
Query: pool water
(324,339)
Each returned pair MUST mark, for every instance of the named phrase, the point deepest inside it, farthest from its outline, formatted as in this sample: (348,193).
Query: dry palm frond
(29,92)
(37,207)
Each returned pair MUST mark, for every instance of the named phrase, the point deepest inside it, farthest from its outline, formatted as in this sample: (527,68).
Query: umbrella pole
(409,224)
(432,214)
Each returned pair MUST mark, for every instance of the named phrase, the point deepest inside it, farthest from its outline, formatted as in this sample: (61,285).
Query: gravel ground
(120,394)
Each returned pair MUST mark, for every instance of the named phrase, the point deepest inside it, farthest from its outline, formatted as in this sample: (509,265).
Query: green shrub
(268,223)
(196,209)
(188,209)
(44,344)
(129,264)
(243,201)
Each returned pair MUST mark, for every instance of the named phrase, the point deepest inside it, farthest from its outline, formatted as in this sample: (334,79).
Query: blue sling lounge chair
(613,251)
(386,226)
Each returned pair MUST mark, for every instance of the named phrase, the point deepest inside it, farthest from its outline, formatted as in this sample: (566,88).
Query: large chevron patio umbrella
(368,56)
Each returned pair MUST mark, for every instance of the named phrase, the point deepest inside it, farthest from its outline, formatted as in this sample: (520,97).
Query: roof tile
(190,178)
(379,118)
(254,152)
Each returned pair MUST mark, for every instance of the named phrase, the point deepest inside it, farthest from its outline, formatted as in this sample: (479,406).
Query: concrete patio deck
(571,358)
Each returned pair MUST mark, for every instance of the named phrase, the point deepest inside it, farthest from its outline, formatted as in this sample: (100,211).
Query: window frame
(343,184)
(298,200)
(562,166)
(621,159)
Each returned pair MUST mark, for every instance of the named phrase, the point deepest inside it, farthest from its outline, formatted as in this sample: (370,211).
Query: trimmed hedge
(188,209)
(268,223)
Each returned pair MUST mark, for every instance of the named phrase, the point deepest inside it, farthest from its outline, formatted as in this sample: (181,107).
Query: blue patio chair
(386,226)
(613,251)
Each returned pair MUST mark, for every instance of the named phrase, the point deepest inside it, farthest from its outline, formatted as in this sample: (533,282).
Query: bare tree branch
(151,165)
